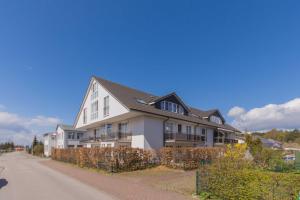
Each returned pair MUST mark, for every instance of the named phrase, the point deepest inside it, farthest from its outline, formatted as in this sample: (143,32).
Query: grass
(164,178)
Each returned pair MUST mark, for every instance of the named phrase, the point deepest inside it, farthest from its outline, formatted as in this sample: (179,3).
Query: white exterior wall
(153,133)
(137,128)
(47,145)
(60,138)
(115,107)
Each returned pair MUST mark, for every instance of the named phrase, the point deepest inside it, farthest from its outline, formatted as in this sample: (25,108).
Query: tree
(35,142)
(255,145)
(38,149)
(7,146)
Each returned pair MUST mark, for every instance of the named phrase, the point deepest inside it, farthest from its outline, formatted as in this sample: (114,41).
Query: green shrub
(232,177)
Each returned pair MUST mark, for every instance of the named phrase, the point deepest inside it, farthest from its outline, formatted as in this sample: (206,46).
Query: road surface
(22,177)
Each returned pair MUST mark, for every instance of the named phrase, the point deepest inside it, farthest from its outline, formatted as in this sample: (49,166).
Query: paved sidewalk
(121,187)
(24,178)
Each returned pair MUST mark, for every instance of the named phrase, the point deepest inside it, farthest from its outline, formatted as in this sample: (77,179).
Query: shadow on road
(3,182)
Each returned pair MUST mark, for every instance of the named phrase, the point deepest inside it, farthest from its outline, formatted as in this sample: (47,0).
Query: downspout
(164,128)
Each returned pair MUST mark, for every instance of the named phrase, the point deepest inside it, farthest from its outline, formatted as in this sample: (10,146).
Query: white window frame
(94,110)
(216,119)
(94,91)
(84,115)
(106,106)
(171,107)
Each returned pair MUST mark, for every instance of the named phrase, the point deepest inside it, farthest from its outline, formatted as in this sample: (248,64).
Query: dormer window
(171,107)
(216,119)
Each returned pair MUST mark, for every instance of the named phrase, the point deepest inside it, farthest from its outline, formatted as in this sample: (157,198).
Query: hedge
(129,159)
(250,184)
(188,158)
(109,159)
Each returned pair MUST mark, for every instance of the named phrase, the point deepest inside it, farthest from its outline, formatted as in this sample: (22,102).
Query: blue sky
(214,54)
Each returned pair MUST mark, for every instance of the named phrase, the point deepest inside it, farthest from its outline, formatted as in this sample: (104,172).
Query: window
(171,107)
(203,136)
(188,129)
(108,128)
(106,106)
(71,136)
(94,113)
(94,91)
(181,111)
(102,130)
(163,105)
(169,127)
(79,136)
(189,132)
(84,116)
(123,128)
(179,128)
(218,137)
(215,119)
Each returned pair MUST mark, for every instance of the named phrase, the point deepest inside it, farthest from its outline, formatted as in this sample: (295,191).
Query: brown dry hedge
(129,159)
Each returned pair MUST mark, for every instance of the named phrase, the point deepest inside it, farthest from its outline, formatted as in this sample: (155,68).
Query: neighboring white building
(49,143)
(116,115)
(65,137)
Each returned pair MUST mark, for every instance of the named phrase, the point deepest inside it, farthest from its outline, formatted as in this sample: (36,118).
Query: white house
(65,137)
(116,115)
(49,143)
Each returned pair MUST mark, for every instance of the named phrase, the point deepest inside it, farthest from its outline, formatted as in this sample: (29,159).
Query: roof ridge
(119,84)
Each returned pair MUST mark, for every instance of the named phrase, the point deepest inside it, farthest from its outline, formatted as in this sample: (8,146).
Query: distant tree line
(7,146)
(282,136)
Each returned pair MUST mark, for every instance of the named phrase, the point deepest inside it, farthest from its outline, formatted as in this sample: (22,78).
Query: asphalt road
(22,177)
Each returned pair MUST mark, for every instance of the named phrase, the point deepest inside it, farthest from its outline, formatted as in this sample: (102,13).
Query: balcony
(169,137)
(118,136)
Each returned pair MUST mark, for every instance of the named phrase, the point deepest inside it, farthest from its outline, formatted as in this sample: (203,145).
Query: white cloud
(21,129)
(281,116)
(236,111)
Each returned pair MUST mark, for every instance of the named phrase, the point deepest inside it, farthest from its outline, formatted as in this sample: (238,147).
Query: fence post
(197,183)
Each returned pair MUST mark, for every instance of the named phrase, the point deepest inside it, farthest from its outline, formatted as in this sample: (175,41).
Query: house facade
(65,136)
(114,115)
(49,143)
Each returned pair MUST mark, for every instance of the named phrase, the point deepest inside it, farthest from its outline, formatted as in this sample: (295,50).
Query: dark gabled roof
(200,113)
(206,114)
(130,98)
(176,96)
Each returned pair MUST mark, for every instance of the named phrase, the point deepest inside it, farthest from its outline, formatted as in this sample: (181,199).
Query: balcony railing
(118,136)
(184,137)
(224,141)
